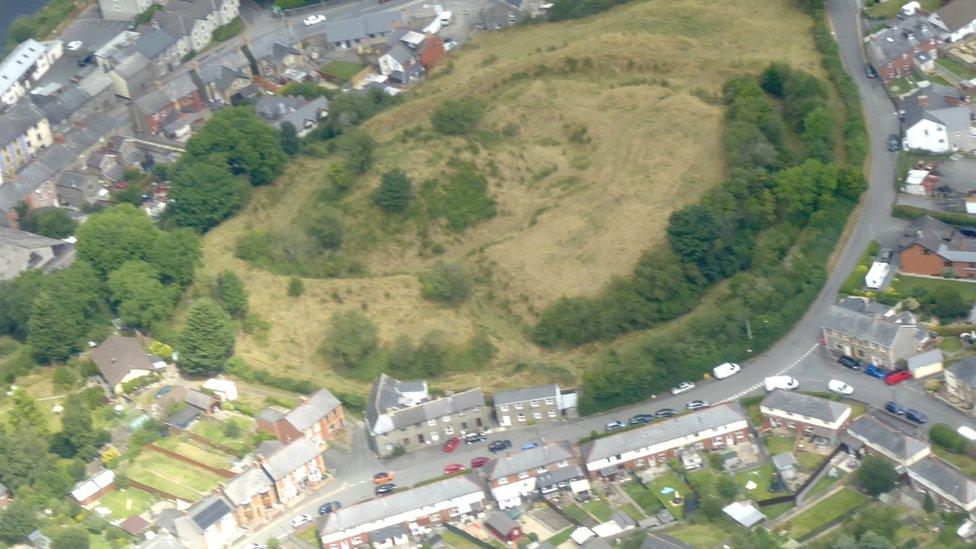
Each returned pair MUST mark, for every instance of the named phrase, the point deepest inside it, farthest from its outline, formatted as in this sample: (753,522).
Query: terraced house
(528,473)
(867,433)
(810,416)
(252,493)
(871,332)
(318,418)
(294,468)
(543,404)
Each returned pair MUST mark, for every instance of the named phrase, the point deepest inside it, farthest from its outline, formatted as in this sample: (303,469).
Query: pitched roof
(153,42)
(527,460)
(26,240)
(286,459)
(171,91)
(400,54)
(870,327)
(357,28)
(500,522)
(784,460)
(17,119)
(134,525)
(924,359)
(270,415)
(199,400)
(946,478)
(241,489)
(905,36)
(396,503)
(184,416)
(117,356)
(207,512)
(438,407)
(806,405)
(941,239)
(665,431)
(16,64)
(319,405)
(526,394)
(964,370)
(387,533)
(956,14)
(874,433)
(273,107)
(561,474)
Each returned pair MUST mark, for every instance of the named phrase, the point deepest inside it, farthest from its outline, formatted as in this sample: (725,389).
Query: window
(503,407)
(477,422)
(520,417)
(518,405)
(562,463)
(420,438)
(449,430)
(431,422)
(537,415)
(541,469)
(445,419)
(502,481)
(552,413)
(550,401)
(534,403)
(523,475)
(434,437)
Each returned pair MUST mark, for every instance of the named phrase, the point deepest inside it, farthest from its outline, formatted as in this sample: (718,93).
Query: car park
(849,362)
(682,387)
(384,489)
(472,438)
(894,142)
(613,425)
(696,405)
(894,378)
(452,444)
(727,369)
(641,419)
(453,468)
(914,415)
(499,445)
(382,478)
(328,507)
(530,445)
(875,371)
(895,408)
(840,387)
(479,462)
(301,520)
(666,412)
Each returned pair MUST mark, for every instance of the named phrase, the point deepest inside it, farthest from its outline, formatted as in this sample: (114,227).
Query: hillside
(593,132)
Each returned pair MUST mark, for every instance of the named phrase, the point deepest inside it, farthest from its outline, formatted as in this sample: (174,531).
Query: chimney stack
(303,399)
(923,100)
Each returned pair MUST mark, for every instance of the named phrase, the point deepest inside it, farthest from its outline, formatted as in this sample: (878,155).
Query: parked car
(683,387)
(641,419)
(472,438)
(301,520)
(254,545)
(875,371)
(850,362)
(840,387)
(870,72)
(163,391)
(727,369)
(895,408)
(530,445)
(666,412)
(967,432)
(499,445)
(382,478)
(613,425)
(916,416)
(384,489)
(787,383)
(452,444)
(453,468)
(895,378)
(894,142)
(696,405)
(313,20)
(479,462)
(328,507)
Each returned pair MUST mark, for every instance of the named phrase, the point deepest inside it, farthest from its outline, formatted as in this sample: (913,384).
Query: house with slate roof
(956,20)
(938,119)
(931,247)
(208,524)
(813,417)
(960,380)
(207,404)
(908,44)
(24,132)
(531,405)
(125,10)
(318,418)
(871,332)
(713,428)
(400,514)
(120,359)
(403,414)
(192,22)
(887,441)
(303,114)
(165,104)
(294,468)
(20,251)
(253,495)
(944,483)
(527,473)
(365,29)
(220,79)
(25,65)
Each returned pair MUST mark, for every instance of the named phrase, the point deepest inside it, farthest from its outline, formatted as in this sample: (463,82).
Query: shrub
(351,338)
(462,200)
(447,283)
(394,192)
(326,230)
(945,436)
(295,287)
(457,116)
(875,475)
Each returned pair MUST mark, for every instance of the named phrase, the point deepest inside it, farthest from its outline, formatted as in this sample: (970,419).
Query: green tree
(238,139)
(207,341)
(232,294)
(394,192)
(928,504)
(431,354)
(727,488)
(339,176)
(326,230)
(818,134)
(176,254)
(295,287)
(844,542)
(351,338)
(773,78)
(288,138)
(72,537)
(141,298)
(447,283)
(64,378)
(115,235)
(16,521)
(50,222)
(23,451)
(402,357)
(203,195)
(875,475)
(53,329)
(457,116)
(77,427)
(16,301)
(25,413)
(358,147)
(945,436)
(871,540)
(947,303)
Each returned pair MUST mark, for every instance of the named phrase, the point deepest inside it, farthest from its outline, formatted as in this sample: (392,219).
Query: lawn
(904,285)
(310,535)
(631,511)
(669,479)
(125,503)
(195,451)
(598,509)
(578,515)
(343,70)
(823,484)
(884,10)
(699,535)
(808,461)
(561,537)
(228,31)
(214,431)
(777,444)
(835,506)
(458,542)
(167,474)
(773,511)
(960,70)
(761,475)
(900,86)
(647,501)
(965,464)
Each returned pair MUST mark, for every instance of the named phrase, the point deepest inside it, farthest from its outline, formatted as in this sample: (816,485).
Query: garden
(824,512)
(169,475)
(239,438)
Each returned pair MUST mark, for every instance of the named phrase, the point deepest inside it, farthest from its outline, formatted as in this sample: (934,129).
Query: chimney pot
(303,399)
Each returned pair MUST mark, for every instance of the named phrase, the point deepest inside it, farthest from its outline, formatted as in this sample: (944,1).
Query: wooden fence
(179,457)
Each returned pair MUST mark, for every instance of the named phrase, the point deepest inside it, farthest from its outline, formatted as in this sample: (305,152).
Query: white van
(447,17)
(725,370)
(967,432)
(787,383)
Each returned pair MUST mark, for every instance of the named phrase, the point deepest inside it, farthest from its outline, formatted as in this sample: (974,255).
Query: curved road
(797,354)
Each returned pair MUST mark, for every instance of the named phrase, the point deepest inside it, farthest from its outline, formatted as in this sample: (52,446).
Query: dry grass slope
(643,80)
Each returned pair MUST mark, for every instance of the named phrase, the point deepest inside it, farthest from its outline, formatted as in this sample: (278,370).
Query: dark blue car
(329,506)
(895,408)
(916,416)
(875,371)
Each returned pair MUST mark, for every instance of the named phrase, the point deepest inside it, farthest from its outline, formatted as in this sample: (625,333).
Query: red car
(452,444)
(479,462)
(895,378)
(453,468)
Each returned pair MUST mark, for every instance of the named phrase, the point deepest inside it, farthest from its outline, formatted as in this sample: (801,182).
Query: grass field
(669,479)
(195,451)
(572,212)
(699,535)
(599,509)
(214,431)
(761,475)
(125,503)
(960,70)
(647,501)
(835,506)
(177,478)
(824,484)
(344,70)
(964,463)
(905,283)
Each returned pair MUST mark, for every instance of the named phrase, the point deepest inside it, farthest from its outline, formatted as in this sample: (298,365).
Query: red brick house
(165,104)
(911,43)
(431,51)
(253,496)
(295,468)
(319,418)
(810,416)
(931,247)
(504,527)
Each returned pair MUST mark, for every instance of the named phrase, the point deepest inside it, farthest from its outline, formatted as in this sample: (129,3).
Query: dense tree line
(562,10)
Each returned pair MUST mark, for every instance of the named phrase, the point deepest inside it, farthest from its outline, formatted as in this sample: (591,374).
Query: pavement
(797,354)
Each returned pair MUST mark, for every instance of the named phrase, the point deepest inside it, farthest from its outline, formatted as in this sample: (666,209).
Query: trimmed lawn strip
(777,444)
(344,70)
(458,542)
(598,509)
(669,479)
(808,461)
(699,535)
(647,501)
(125,503)
(213,431)
(561,537)
(631,511)
(773,511)
(577,513)
(960,70)
(206,456)
(903,284)
(178,478)
(835,506)
(823,484)
(965,464)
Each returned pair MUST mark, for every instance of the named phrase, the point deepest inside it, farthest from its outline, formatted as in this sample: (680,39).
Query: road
(797,354)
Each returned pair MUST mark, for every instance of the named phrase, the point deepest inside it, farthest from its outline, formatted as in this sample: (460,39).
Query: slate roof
(132,65)
(117,356)
(528,460)
(17,119)
(206,512)
(273,107)
(657,433)
(169,92)
(263,46)
(783,461)
(874,433)
(319,405)
(162,541)
(400,54)
(526,394)
(883,331)
(924,359)
(268,447)
(940,238)
(438,407)
(183,417)
(165,519)
(173,23)
(26,240)
(387,533)
(663,541)
(806,405)
(957,14)
(153,43)
(241,489)
(199,400)
(288,458)
(501,523)
(309,112)
(16,64)
(904,37)
(964,370)
(562,474)
(945,478)
(931,98)
(270,415)
(358,28)
(397,503)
